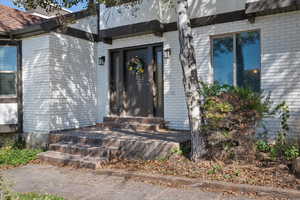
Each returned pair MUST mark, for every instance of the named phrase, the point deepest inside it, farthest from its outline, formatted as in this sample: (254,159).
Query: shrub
(263,146)
(231,115)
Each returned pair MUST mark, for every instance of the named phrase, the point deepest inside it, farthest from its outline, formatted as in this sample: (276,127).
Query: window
(236,59)
(8,70)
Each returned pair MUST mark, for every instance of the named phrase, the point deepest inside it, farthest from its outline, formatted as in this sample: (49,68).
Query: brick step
(141,120)
(65,159)
(130,125)
(110,152)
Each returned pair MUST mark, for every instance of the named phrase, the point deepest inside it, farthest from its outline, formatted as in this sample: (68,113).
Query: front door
(133,82)
(138,96)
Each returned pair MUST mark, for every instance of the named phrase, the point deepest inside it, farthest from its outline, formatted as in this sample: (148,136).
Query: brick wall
(280,61)
(35,66)
(59,76)
(72,71)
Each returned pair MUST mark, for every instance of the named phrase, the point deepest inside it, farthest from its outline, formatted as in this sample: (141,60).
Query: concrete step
(110,152)
(65,159)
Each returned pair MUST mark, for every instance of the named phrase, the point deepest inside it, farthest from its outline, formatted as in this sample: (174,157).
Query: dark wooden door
(138,95)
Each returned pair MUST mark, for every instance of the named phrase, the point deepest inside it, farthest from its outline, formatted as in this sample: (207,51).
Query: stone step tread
(65,159)
(85,146)
(80,139)
(134,119)
(85,150)
(131,124)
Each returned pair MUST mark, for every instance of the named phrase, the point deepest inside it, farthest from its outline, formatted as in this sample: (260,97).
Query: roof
(13,19)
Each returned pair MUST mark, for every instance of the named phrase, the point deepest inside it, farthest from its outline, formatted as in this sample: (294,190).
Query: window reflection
(8,58)
(247,58)
(8,70)
(223,60)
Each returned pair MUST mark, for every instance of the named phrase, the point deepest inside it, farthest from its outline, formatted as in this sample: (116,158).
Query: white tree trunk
(190,80)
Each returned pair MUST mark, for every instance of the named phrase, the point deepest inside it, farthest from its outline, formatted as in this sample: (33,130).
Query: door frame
(150,55)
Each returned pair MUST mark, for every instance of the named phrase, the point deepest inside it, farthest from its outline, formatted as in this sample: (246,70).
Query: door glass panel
(7,84)
(8,58)
(159,82)
(223,59)
(248,60)
(114,95)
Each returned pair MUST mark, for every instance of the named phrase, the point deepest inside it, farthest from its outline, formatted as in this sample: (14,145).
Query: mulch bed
(258,173)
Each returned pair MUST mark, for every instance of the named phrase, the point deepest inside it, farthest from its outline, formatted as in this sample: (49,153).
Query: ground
(76,184)
(272,174)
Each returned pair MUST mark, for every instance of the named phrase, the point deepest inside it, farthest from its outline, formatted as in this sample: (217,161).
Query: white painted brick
(59,80)
(280,46)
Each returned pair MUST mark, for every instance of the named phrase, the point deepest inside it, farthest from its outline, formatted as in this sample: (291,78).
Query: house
(125,63)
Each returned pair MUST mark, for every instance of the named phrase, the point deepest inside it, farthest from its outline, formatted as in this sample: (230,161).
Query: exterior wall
(72,87)
(35,66)
(165,13)
(59,76)
(88,24)
(175,110)
(280,53)
(280,60)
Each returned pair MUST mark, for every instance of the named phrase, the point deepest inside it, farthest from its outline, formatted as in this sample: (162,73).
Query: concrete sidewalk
(78,184)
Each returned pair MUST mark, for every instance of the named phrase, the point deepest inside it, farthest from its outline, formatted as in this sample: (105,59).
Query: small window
(237,60)
(8,70)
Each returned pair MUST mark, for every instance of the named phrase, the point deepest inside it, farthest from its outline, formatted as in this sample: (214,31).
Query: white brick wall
(59,76)
(35,66)
(280,62)
(88,24)
(72,82)
(156,10)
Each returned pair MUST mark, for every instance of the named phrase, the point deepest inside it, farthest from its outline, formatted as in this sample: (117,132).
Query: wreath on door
(135,64)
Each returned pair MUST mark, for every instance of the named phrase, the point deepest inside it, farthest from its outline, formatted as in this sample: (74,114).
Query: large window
(8,70)
(236,59)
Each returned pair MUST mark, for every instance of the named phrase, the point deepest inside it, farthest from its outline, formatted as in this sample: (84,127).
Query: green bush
(263,146)
(231,115)
(14,157)
(291,152)
(232,108)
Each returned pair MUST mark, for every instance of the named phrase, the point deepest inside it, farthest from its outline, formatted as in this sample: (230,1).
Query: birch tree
(190,80)
(187,59)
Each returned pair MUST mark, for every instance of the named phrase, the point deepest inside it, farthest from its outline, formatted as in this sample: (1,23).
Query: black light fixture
(101,60)
(167,53)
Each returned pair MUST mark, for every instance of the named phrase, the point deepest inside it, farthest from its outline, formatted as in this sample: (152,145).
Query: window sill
(8,99)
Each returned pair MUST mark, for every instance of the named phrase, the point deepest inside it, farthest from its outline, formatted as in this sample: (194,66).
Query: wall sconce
(167,53)
(101,60)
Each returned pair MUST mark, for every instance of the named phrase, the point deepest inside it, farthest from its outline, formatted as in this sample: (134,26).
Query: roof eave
(47,25)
